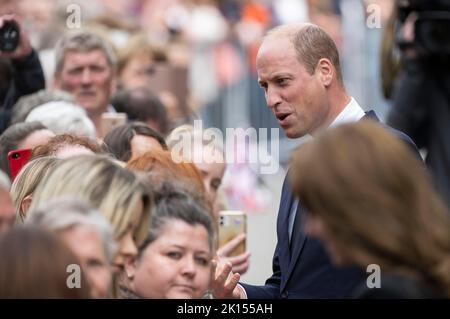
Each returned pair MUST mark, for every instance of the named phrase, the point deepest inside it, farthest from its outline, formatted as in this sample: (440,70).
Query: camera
(9,36)
(431,26)
(433,32)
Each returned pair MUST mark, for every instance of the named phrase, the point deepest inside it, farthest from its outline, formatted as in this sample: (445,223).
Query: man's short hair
(83,41)
(312,43)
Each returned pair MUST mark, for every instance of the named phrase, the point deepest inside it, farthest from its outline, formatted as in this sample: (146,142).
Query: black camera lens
(433,32)
(9,36)
(15,156)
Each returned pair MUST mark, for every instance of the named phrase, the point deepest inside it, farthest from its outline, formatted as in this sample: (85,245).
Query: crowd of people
(98,199)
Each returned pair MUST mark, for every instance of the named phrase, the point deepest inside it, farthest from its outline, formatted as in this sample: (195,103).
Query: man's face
(89,78)
(296,98)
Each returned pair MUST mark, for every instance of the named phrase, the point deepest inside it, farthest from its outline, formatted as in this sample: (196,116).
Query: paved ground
(261,238)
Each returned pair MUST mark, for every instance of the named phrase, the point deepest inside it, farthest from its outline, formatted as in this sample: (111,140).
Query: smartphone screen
(16,160)
(232,224)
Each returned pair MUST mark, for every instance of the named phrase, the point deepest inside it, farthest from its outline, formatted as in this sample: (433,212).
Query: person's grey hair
(63,117)
(4,181)
(26,103)
(64,213)
(83,41)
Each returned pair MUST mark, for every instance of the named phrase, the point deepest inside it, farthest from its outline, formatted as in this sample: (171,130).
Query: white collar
(110,109)
(351,113)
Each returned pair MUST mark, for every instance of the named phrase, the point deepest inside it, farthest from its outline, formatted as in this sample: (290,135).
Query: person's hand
(239,263)
(24,46)
(224,284)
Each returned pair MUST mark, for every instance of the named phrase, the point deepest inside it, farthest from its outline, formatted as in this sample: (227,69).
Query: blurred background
(202,66)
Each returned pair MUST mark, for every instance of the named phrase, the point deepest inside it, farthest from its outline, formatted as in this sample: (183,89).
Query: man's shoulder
(399,134)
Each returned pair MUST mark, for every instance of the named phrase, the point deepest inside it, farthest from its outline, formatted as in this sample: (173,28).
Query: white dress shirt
(351,113)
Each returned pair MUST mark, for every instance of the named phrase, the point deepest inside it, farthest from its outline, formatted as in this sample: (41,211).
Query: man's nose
(86,76)
(272,98)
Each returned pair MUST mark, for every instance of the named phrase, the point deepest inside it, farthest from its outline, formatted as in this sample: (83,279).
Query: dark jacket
(421,109)
(394,286)
(28,78)
(309,273)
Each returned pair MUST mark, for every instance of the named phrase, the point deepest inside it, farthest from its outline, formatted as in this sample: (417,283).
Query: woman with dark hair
(370,201)
(174,261)
(133,139)
(35,264)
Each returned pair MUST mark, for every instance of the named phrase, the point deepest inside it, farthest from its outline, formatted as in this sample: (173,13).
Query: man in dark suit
(298,68)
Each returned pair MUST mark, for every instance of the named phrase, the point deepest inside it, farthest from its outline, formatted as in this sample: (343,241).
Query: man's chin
(91,107)
(291,132)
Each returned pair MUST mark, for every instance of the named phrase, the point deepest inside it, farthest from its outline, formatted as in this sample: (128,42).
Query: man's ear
(326,71)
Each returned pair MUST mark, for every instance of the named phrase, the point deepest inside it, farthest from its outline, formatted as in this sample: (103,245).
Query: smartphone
(231,224)
(16,160)
(110,121)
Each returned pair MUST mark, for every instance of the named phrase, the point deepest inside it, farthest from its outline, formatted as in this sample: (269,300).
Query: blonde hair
(27,180)
(108,187)
(83,41)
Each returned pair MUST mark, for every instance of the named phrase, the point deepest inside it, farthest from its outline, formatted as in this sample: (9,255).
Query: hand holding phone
(232,226)
(16,160)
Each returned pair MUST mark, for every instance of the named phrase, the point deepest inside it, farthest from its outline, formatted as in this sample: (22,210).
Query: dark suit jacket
(395,286)
(309,273)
